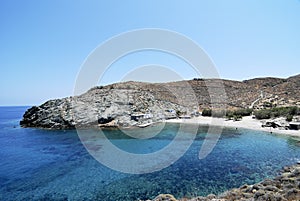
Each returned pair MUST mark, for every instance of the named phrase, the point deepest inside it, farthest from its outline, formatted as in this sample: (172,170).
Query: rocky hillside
(137,103)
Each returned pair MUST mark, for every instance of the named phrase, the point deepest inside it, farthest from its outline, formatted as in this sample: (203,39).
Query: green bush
(229,115)
(237,117)
(213,113)
(238,114)
(289,118)
(206,113)
(243,112)
(276,112)
(294,110)
(259,114)
(262,114)
(218,113)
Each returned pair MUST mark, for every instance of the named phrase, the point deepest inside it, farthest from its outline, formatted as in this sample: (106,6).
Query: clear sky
(44,43)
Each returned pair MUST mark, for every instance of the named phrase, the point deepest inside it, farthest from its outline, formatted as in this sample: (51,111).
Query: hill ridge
(117,104)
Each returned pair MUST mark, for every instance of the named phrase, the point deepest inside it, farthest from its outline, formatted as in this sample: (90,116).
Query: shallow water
(54,165)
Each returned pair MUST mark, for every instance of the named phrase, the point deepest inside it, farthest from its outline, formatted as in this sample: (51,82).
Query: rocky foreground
(137,103)
(285,187)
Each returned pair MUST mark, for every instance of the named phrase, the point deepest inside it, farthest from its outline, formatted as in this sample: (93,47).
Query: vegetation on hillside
(230,114)
(287,112)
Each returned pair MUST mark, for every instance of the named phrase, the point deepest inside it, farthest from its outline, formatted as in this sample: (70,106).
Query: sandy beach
(247,122)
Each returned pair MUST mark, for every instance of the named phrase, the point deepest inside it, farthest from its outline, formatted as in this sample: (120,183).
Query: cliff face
(124,104)
(136,103)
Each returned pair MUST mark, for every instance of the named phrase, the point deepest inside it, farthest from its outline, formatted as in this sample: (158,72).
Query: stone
(271,188)
(259,193)
(288,186)
(292,194)
(164,197)
(247,195)
(267,182)
(211,196)
(295,172)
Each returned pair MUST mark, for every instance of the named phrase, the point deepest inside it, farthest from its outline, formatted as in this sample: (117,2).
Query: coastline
(283,187)
(246,122)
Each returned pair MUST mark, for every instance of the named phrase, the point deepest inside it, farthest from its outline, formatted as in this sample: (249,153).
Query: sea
(39,164)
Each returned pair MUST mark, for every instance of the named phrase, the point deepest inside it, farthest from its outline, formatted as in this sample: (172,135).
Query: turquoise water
(54,165)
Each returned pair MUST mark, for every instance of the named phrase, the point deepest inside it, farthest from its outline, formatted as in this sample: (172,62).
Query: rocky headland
(138,104)
(285,187)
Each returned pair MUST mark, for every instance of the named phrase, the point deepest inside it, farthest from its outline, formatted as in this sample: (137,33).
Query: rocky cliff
(138,103)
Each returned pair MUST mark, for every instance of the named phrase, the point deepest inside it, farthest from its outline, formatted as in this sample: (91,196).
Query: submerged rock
(285,187)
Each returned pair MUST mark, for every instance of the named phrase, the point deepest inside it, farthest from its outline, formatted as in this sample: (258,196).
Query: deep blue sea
(38,164)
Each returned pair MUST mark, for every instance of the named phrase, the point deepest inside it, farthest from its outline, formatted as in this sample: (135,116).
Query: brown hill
(275,91)
(121,104)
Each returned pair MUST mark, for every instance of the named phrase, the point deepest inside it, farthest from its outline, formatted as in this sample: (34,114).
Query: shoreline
(246,122)
(283,187)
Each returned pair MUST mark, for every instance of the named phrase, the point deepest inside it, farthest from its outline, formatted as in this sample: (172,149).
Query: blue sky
(44,43)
